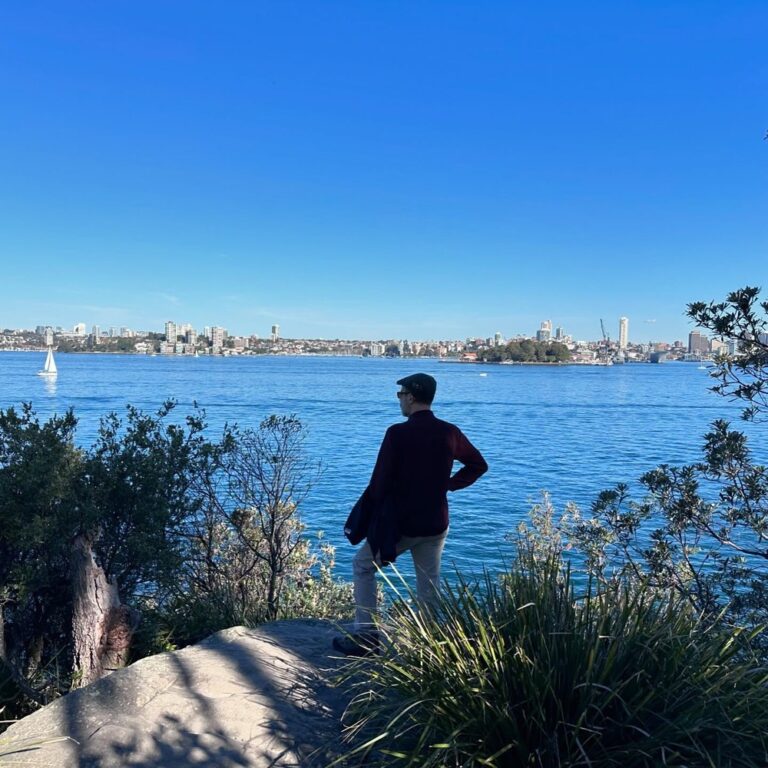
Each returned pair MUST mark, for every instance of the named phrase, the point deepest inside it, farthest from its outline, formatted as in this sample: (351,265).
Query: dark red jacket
(414,470)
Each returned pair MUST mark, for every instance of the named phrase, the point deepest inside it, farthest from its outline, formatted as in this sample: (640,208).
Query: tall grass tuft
(522,671)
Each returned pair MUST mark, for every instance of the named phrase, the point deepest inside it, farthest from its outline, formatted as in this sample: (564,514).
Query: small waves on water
(570,430)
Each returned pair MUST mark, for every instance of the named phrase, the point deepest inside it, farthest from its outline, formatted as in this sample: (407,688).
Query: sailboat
(49,369)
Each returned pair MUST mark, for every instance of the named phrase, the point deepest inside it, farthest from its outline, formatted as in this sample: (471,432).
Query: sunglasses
(402,393)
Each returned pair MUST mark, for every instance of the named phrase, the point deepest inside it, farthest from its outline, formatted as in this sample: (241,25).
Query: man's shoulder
(431,422)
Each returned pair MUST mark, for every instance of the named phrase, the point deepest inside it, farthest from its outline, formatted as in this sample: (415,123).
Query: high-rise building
(218,335)
(498,339)
(623,332)
(698,342)
(96,334)
(79,329)
(275,332)
(545,332)
(171,333)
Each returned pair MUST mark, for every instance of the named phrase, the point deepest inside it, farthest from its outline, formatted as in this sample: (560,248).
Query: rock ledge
(242,697)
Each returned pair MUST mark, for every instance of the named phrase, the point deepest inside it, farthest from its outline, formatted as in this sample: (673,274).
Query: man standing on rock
(404,506)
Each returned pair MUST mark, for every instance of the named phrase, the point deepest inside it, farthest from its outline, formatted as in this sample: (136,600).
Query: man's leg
(427,552)
(364,571)
(364,639)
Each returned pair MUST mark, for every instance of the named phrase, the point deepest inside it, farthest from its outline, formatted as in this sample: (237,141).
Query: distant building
(623,332)
(559,333)
(218,335)
(718,347)
(48,336)
(498,339)
(698,342)
(377,349)
(275,332)
(545,331)
(79,329)
(171,334)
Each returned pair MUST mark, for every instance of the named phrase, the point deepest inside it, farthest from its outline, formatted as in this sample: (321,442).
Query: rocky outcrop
(243,697)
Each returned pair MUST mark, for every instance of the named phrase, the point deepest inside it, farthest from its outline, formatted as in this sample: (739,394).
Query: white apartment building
(623,332)
(218,334)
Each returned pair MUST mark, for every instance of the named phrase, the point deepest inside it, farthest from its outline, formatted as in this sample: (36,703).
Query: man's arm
(474,464)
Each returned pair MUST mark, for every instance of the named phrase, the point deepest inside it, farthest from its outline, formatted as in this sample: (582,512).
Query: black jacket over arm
(407,494)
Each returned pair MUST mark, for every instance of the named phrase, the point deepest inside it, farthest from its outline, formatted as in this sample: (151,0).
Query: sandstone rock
(242,697)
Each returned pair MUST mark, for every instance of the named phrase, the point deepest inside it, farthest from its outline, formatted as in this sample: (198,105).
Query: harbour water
(571,430)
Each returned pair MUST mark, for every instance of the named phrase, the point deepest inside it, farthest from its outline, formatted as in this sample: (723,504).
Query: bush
(522,672)
(310,590)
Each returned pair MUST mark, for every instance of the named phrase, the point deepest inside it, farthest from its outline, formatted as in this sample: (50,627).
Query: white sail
(49,369)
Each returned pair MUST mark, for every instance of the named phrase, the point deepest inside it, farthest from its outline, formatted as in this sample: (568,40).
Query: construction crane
(604,352)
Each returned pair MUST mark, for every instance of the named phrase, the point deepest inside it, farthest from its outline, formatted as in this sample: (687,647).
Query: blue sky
(381,169)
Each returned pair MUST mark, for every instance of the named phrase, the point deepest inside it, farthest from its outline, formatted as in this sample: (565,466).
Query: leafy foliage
(197,534)
(700,529)
(527,351)
(743,375)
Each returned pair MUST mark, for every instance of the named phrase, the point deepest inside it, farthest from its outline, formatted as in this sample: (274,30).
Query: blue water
(572,430)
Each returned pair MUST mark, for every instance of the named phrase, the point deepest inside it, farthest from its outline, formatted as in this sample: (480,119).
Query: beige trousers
(426,552)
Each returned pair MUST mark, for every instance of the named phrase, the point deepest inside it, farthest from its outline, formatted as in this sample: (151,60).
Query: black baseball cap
(421,385)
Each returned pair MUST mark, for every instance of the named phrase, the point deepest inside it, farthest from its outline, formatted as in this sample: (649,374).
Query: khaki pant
(426,552)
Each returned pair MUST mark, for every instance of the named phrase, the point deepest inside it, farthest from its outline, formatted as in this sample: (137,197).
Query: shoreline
(447,360)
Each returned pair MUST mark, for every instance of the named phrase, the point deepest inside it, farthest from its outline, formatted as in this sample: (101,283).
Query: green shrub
(521,672)
(310,590)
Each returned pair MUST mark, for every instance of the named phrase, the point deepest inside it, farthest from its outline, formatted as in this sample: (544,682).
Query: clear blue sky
(381,169)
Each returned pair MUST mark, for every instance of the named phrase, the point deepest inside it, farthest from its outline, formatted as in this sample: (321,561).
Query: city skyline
(547,331)
(408,170)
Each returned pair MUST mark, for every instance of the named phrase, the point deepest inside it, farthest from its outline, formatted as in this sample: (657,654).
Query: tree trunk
(102,628)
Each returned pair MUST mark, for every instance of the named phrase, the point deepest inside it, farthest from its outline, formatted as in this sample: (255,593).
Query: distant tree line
(527,351)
